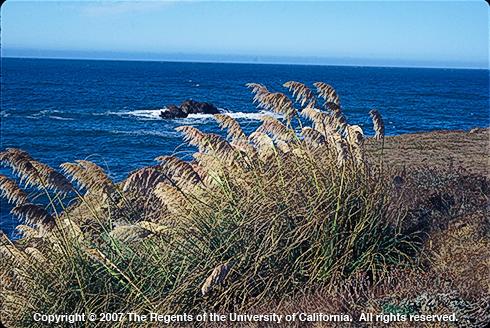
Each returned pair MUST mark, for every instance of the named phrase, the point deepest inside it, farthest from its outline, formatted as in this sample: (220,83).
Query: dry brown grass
(438,149)
(462,254)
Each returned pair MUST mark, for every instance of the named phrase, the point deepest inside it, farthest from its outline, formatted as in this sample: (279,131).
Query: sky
(365,33)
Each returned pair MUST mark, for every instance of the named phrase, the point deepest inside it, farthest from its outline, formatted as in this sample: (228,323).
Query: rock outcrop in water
(188,107)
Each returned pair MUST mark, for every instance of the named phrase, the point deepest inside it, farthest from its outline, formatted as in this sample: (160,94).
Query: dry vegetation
(304,214)
(438,149)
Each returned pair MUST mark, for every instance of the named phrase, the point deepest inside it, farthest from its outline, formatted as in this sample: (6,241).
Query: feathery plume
(32,172)
(170,196)
(19,161)
(355,135)
(258,90)
(327,92)
(192,135)
(233,128)
(313,137)
(89,176)
(278,103)
(208,167)
(71,228)
(278,130)
(175,168)
(301,93)
(77,173)
(342,150)
(51,178)
(314,114)
(13,253)
(35,254)
(272,101)
(321,120)
(144,180)
(154,228)
(16,151)
(263,143)
(197,166)
(355,139)
(204,162)
(27,231)
(208,143)
(337,120)
(33,214)
(379,127)
(11,191)
(215,144)
(244,147)
(215,278)
(333,107)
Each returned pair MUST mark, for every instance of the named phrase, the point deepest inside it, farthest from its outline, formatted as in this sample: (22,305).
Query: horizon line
(211,61)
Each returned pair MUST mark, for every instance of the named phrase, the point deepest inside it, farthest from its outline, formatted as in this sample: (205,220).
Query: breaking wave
(154,114)
(167,134)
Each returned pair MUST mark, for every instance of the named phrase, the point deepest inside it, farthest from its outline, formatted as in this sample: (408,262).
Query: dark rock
(196,107)
(173,111)
(188,107)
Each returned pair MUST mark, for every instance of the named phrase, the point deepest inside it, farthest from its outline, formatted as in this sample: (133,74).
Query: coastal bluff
(438,149)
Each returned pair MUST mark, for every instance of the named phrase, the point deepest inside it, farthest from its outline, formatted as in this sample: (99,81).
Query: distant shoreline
(244,63)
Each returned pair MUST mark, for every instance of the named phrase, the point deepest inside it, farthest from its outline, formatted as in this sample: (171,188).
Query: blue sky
(383,33)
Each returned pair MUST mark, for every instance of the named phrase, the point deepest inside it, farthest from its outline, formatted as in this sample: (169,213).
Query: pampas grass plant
(250,219)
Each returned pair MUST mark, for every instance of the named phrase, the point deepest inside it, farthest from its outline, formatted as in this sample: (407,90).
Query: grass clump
(293,206)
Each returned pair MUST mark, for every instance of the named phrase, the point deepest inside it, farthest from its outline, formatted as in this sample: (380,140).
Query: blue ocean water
(107,111)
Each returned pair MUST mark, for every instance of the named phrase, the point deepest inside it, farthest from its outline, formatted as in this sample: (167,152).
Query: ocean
(107,111)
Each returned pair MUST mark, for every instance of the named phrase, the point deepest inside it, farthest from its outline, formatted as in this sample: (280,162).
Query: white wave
(197,117)
(149,114)
(59,118)
(48,114)
(38,114)
(235,115)
(48,111)
(154,114)
(4,113)
(253,116)
(147,133)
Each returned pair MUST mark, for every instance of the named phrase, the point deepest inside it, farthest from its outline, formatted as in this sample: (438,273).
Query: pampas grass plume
(11,191)
(379,127)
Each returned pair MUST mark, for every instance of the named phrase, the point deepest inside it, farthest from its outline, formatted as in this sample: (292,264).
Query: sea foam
(154,114)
